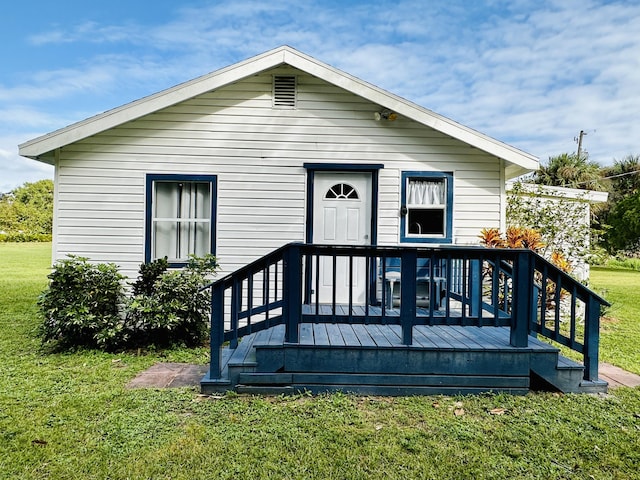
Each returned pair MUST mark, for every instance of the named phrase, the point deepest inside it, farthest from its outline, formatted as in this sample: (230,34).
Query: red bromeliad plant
(519,237)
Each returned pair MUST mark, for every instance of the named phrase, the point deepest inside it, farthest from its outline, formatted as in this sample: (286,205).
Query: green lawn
(620,327)
(68,416)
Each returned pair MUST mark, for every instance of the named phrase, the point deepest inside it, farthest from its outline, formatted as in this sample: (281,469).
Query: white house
(278,148)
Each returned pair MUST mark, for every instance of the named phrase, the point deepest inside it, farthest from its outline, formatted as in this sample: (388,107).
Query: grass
(627,263)
(620,327)
(69,416)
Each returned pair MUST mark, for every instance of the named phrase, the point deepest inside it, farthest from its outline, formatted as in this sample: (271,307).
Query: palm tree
(570,170)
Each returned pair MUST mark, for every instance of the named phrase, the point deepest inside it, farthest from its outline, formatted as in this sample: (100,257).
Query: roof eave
(519,161)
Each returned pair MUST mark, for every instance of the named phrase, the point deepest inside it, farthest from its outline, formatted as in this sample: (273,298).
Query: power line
(607,178)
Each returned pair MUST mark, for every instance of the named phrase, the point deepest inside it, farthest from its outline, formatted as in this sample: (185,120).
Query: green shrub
(176,312)
(81,306)
(148,274)
(171,309)
(85,305)
(21,237)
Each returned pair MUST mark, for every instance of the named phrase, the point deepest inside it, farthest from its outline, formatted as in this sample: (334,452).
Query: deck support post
(291,308)
(522,299)
(591,340)
(217,331)
(475,289)
(408,269)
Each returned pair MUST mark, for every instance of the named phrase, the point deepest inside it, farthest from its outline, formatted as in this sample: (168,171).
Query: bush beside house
(86,305)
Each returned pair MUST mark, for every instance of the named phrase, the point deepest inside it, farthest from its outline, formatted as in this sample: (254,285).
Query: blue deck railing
(407,286)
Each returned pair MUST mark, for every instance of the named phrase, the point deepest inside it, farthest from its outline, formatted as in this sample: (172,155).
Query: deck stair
(371,360)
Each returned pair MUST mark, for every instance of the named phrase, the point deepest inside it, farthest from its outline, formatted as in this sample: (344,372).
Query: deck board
(472,341)
(335,335)
(446,337)
(320,336)
(378,337)
(306,334)
(349,335)
(420,335)
(239,354)
(480,337)
(277,335)
(393,334)
(362,333)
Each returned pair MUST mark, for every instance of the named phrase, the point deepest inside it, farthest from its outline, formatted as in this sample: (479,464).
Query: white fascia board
(519,161)
(592,196)
(524,162)
(41,146)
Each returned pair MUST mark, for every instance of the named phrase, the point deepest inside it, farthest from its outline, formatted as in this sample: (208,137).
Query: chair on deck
(393,281)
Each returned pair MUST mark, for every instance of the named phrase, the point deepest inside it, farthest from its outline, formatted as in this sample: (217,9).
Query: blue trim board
(448,237)
(342,167)
(353,167)
(150,178)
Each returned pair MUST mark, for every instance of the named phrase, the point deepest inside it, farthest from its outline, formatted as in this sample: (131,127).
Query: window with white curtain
(427,199)
(180,217)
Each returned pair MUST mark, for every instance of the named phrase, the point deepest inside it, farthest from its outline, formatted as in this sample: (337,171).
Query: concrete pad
(169,375)
(617,377)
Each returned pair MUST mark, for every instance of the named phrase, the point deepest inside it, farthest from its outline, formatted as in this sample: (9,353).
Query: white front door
(342,216)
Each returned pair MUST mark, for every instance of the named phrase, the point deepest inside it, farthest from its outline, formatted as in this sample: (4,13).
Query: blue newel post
(591,340)
(217,331)
(292,292)
(408,267)
(522,301)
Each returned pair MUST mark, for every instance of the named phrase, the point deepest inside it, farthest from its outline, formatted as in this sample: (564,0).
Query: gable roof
(42,148)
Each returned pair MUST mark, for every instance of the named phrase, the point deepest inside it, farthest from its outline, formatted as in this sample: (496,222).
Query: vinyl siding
(257,153)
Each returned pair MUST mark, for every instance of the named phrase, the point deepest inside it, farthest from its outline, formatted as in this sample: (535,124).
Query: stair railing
(465,286)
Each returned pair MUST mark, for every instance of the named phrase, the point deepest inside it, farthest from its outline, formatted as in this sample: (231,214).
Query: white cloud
(532,75)
(14,169)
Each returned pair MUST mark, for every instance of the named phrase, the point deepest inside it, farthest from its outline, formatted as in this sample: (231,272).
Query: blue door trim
(342,167)
(312,168)
(350,167)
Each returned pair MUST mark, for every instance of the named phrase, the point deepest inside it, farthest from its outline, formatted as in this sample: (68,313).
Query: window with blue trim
(180,217)
(427,207)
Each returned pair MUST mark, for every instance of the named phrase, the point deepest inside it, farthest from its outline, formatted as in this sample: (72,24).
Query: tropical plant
(570,170)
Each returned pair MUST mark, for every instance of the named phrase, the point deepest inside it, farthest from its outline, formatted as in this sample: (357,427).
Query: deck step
(565,375)
(382,390)
(389,361)
(371,360)
(387,380)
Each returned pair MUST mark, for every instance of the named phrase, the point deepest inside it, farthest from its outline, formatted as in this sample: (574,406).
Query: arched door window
(342,191)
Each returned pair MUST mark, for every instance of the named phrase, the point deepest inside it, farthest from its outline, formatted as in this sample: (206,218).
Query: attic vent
(284,91)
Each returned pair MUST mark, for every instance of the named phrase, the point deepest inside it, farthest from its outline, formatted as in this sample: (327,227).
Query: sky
(531,73)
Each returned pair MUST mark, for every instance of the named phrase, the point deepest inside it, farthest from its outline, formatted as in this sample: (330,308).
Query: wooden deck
(471,327)
(371,359)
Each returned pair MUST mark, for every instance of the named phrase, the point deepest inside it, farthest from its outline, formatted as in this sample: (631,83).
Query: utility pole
(579,140)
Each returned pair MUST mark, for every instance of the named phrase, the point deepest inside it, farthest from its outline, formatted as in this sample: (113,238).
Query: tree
(623,177)
(26,213)
(619,216)
(623,232)
(570,170)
